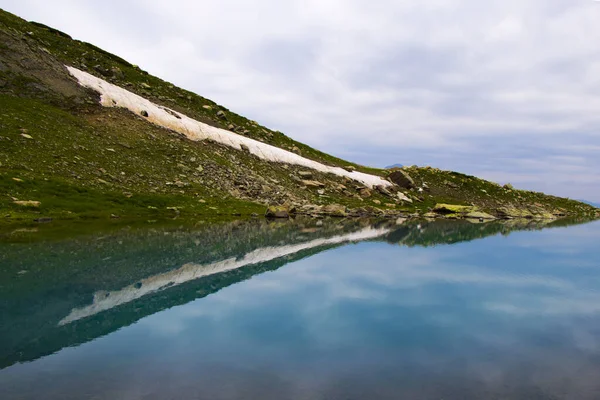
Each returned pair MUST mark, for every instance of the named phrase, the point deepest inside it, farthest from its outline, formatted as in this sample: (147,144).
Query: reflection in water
(192,313)
(105,300)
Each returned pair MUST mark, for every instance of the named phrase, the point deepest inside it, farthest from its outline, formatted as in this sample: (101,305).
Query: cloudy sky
(504,89)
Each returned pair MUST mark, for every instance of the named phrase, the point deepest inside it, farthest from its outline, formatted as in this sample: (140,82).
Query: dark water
(255,310)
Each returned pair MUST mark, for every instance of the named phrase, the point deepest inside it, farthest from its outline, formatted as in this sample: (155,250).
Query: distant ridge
(591,203)
(394,166)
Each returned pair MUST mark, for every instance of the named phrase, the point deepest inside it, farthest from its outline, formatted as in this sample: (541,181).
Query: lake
(305,309)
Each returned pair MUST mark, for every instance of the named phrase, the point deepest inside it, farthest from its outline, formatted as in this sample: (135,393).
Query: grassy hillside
(62,155)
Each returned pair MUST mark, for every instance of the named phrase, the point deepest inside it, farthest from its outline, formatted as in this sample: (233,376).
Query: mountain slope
(63,154)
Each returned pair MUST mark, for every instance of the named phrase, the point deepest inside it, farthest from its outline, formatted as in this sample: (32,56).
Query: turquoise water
(304,310)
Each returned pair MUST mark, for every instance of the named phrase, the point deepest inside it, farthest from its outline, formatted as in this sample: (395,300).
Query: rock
(207,107)
(350,168)
(117,73)
(221,114)
(17,179)
(383,190)
(26,136)
(451,184)
(377,202)
(365,193)
(451,209)
(321,192)
(245,148)
(335,210)
(305,174)
(403,197)
(479,215)
(402,179)
(43,220)
(28,203)
(231,127)
(310,183)
(114,216)
(508,186)
(144,85)
(144,113)
(281,211)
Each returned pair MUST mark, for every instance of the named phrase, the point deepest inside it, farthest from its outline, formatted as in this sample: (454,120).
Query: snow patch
(115,96)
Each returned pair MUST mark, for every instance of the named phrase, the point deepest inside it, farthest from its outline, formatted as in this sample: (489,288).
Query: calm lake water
(303,310)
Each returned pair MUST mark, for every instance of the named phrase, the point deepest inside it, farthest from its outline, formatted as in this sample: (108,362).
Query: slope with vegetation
(64,155)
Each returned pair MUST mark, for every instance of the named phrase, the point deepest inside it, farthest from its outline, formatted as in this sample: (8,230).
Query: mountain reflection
(60,294)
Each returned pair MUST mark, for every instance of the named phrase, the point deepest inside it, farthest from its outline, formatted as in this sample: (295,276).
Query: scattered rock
(508,186)
(377,202)
(321,192)
(43,220)
(114,216)
(365,193)
(26,136)
(383,190)
(305,174)
(28,203)
(350,168)
(274,211)
(144,113)
(310,183)
(17,179)
(207,107)
(221,114)
(403,197)
(245,148)
(402,179)
(335,210)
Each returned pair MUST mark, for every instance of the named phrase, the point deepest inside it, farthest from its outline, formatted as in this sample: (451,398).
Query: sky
(508,90)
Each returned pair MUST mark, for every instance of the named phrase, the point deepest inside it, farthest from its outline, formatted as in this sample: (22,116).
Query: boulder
(365,193)
(402,179)
(479,215)
(403,197)
(451,209)
(221,114)
(144,113)
(383,190)
(280,211)
(305,174)
(310,183)
(335,210)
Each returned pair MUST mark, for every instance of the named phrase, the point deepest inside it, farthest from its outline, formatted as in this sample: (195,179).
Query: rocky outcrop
(280,211)
(402,179)
(461,211)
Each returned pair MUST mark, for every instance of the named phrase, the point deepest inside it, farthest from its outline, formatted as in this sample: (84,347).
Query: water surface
(304,310)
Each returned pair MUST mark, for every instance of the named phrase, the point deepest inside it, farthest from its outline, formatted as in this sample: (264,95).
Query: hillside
(148,148)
